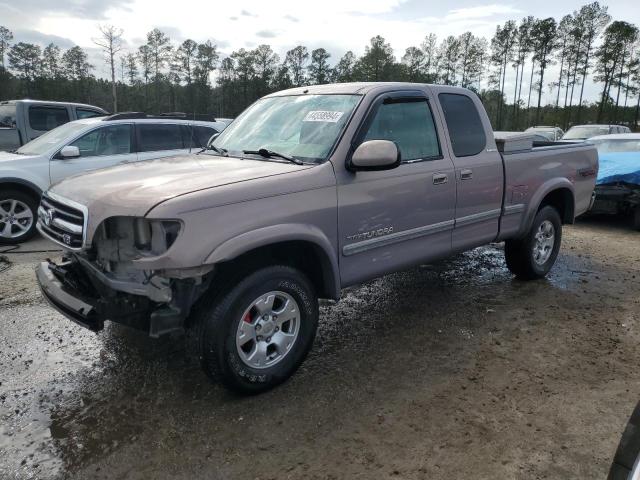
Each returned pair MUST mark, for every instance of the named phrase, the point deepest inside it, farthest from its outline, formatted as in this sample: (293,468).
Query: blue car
(618,182)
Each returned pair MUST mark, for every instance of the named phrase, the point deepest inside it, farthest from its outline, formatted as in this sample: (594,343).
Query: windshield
(616,146)
(45,142)
(8,116)
(580,133)
(302,126)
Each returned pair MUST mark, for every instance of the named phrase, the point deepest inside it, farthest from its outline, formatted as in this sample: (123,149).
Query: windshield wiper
(220,151)
(263,152)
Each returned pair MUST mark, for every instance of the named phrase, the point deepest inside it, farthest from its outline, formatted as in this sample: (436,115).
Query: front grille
(61,222)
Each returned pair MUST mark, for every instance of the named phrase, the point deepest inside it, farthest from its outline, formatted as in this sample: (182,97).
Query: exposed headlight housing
(130,238)
(155,235)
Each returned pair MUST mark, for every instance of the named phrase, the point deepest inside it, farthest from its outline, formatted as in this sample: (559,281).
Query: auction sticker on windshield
(323,116)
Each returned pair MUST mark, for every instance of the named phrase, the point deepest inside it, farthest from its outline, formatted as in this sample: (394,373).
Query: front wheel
(533,256)
(636,217)
(17,217)
(256,336)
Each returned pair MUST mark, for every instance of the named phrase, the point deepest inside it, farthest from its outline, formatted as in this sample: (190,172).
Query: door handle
(440,178)
(466,174)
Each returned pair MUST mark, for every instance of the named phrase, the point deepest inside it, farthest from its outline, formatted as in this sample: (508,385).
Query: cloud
(266,34)
(92,9)
(246,13)
(291,18)
(175,34)
(483,11)
(42,39)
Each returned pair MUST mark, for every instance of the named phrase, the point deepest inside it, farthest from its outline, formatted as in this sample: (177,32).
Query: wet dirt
(453,370)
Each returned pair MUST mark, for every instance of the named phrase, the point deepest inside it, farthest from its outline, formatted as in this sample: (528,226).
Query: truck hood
(134,188)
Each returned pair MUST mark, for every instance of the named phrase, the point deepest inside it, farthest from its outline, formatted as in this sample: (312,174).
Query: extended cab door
(394,218)
(102,147)
(478,170)
(40,118)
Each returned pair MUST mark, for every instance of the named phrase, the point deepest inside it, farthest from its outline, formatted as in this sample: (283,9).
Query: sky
(337,25)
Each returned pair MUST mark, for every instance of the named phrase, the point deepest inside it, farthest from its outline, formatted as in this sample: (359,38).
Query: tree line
(161,76)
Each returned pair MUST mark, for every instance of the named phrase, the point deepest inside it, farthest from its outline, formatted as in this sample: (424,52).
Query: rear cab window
(7,116)
(407,121)
(45,118)
(87,113)
(466,130)
(158,137)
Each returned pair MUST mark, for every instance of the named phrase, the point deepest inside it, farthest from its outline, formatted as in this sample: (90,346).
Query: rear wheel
(636,218)
(256,335)
(17,217)
(533,256)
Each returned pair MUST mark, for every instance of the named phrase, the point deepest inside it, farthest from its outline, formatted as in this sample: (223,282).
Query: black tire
(216,322)
(519,254)
(32,203)
(627,455)
(636,218)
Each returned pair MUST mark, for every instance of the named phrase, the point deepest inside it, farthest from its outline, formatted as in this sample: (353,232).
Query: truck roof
(359,88)
(154,121)
(47,102)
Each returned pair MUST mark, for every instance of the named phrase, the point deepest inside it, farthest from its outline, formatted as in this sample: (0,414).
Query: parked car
(584,132)
(80,146)
(226,121)
(308,191)
(536,138)
(618,184)
(553,134)
(23,120)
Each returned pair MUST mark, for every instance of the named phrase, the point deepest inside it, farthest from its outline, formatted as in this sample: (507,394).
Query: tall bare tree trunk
(111,44)
(560,78)
(615,111)
(114,92)
(584,79)
(637,116)
(533,64)
(540,94)
(520,91)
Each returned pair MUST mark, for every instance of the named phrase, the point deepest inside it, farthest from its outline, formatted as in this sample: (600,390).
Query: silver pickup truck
(23,120)
(309,191)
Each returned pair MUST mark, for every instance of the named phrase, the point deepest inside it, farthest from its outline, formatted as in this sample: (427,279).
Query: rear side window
(198,134)
(158,137)
(44,119)
(408,123)
(111,140)
(463,122)
(84,113)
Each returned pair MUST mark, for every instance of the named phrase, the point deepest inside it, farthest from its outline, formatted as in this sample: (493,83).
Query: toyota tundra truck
(308,191)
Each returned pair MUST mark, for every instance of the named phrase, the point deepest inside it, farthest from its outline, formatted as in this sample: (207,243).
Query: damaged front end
(105,282)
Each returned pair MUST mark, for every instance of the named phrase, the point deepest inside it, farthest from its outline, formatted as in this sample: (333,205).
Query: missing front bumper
(71,304)
(85,299)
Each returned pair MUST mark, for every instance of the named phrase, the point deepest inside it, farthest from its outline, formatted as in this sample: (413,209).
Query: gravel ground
(453,370)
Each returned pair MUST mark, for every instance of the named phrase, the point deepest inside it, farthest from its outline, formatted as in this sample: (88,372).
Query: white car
(81,146)
(553,134)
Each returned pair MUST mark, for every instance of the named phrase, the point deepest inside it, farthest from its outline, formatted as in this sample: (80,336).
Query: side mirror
(375,155)
(69,151)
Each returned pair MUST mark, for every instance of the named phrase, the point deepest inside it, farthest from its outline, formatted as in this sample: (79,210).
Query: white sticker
(323,116)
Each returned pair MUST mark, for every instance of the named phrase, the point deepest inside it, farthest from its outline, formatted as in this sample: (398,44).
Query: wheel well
(303,255)
(21,187)
(562,200)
